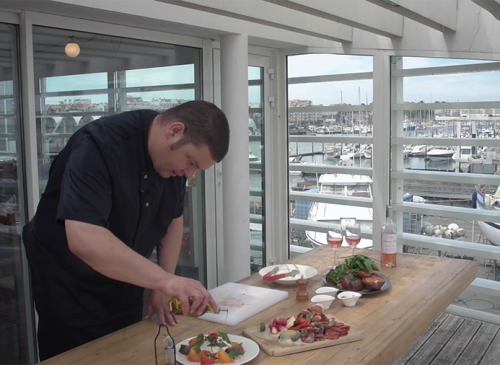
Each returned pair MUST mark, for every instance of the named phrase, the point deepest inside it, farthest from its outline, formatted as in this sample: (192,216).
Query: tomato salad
(212,349)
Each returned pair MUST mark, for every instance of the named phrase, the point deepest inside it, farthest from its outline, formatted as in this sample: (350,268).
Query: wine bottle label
(389,243)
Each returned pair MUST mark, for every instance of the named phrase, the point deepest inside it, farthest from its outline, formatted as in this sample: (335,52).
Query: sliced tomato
(206,359)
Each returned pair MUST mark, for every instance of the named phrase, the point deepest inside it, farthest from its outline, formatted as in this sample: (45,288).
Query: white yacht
(254,162)
(342,185)
(252,158)
(440,153)
(367,152)
(406,152)
(418,151)
(332,152)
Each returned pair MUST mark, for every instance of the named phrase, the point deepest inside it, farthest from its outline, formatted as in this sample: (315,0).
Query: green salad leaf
(224,336)
(234,354)
(352,265)
(361,262)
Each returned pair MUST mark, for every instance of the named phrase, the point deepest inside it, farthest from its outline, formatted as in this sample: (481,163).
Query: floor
(455,340)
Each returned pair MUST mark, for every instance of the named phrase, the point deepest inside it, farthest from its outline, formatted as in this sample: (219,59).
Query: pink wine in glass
(334,242)
(353,240)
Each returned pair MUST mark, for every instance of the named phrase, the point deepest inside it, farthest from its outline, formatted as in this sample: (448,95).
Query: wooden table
(422,287)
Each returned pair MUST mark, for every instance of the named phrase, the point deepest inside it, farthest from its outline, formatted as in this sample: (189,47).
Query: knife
(271,275)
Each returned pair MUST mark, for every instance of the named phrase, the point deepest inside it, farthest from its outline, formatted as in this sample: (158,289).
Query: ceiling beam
(261,12)
(358,14)
(493,6)
(440,15)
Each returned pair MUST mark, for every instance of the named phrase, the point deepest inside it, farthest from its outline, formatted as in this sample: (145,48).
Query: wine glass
(352,235)
(334,237)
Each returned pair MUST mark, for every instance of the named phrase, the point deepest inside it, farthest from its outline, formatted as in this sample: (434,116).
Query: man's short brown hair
(204,124)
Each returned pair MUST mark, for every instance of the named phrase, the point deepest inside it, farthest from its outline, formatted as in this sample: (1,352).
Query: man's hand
(159,302)
(183,289)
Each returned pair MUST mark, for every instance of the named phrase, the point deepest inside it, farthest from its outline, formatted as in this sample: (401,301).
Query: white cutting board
(243,301)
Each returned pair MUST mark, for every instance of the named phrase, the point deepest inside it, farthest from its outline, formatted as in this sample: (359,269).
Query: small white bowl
(325,300)
(327,290)
(349,298)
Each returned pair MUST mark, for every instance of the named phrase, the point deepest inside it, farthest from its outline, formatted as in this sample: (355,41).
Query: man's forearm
(106,254)
(170,246)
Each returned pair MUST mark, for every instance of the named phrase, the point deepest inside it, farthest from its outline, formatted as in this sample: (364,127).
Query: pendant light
(72,49)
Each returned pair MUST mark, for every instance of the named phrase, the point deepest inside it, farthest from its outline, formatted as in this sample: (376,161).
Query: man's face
(173,159)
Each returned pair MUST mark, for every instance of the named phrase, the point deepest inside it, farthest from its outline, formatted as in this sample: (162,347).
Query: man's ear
(175,129)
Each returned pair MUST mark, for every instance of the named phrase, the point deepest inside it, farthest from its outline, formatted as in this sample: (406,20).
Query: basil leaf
(234,354)
(224,336)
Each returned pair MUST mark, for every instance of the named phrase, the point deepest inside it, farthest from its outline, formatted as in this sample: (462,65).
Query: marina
(424,157)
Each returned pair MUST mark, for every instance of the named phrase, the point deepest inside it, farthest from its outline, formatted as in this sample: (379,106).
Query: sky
(479,86)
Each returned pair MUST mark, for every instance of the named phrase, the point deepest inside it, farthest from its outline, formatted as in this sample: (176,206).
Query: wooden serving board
(269,343)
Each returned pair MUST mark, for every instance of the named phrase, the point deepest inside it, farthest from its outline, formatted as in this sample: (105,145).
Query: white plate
(251,350)
(306,271)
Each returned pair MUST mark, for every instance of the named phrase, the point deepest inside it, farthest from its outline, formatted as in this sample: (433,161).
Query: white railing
(454,177)
(460,105)
(331,138)
(448,211)
(330,78)
(308,225)
(330,169)
(331,108)
(486,142)
(448,70)
(332,199)
(471,249)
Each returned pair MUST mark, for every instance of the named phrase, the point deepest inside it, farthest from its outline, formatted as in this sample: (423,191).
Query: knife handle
(274,277)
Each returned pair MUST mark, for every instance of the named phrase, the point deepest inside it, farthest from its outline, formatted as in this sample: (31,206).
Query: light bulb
(72,49)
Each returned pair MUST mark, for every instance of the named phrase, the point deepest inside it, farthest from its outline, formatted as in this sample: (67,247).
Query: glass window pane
(256,159)
(157,100)
(76,82)
(452,88)
(172,75)
(333,108)
(327,64)
(16,344)
(254,73)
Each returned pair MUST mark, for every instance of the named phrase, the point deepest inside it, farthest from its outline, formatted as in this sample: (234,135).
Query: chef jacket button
(147,204)
(145,176)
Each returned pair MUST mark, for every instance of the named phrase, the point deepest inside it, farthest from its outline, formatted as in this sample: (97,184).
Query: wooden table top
(422,288)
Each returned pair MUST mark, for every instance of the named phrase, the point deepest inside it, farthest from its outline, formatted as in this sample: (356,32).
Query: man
(114,193)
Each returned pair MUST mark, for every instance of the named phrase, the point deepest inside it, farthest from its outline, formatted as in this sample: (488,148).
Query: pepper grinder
(302,295)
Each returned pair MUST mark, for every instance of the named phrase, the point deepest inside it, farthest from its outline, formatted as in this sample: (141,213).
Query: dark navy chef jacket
(104,176)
